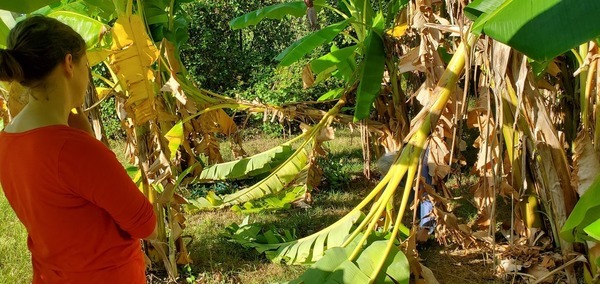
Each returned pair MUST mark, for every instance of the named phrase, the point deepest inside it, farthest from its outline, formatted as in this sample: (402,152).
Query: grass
(15,264)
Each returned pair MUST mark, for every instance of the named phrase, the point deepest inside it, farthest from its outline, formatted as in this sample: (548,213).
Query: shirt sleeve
(90,170)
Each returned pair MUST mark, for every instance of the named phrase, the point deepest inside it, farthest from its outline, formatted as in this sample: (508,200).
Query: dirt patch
(459,266)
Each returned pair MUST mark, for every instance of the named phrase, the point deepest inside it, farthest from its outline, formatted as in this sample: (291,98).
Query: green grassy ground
(15,265)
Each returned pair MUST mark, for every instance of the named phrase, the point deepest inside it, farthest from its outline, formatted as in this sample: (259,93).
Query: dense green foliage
(222,59)
(110,120)
(241,63)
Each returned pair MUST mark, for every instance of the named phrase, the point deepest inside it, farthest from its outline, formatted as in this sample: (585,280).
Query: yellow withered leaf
(97,55)
(133,55)
(398,31)
(308,80)
(217,121)
(210,146)
(103,92)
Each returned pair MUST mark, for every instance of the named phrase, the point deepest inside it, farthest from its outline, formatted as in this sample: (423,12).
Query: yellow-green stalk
(529,204)
(583,94)
(411,154)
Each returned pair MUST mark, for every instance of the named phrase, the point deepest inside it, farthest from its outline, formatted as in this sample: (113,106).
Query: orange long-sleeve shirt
(83,214)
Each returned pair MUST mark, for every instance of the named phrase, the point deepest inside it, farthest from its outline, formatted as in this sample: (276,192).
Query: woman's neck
(43,109)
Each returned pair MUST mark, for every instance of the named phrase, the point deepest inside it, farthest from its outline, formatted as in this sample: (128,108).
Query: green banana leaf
(302,251)
(272,184)
(372,70)
(363,12)
(155,12)
(585,213)
(105,9)
(276,12)
(331,59)
(541,29)
(593,230)
(91,30)
(477,8)
(175,136)
(398,270)
(280,201)
(24,7)
(247,167)
(394,8)
(176,30)
(4,31)
(332,94)
(338,61)
(335,267)
(303,46)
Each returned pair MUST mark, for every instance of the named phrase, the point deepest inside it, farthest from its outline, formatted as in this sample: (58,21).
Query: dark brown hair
(35,46)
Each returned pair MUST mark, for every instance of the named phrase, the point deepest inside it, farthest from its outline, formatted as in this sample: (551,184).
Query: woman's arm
(154,235)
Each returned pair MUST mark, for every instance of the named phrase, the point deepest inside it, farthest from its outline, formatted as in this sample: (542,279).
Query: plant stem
(583,94)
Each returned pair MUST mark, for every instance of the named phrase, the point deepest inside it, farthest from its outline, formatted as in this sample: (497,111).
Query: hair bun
(10,69)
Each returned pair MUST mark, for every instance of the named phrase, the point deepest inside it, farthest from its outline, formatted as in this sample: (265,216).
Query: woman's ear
(69,65)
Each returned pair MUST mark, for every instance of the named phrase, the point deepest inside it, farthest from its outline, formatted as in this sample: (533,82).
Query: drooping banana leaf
(134,54)
(273,183)
(306,250)
(280,201)
(303,46)
(371,72)
(541,29)
(90,29)
(276,12)
(247,167)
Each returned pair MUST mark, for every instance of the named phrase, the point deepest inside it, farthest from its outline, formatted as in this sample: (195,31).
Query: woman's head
(35,46)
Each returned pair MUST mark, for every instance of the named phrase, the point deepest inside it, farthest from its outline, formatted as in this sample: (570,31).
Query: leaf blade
(303,46)
(370,75)
(544,29)
(277,11)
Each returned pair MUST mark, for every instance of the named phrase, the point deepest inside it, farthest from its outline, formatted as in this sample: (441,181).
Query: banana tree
(154,137)
(527,28)
(369,27)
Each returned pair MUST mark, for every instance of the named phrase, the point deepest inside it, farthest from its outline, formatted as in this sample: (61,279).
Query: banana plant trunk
(91,105)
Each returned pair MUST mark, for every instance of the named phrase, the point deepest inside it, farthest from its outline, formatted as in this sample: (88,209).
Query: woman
(83,214)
